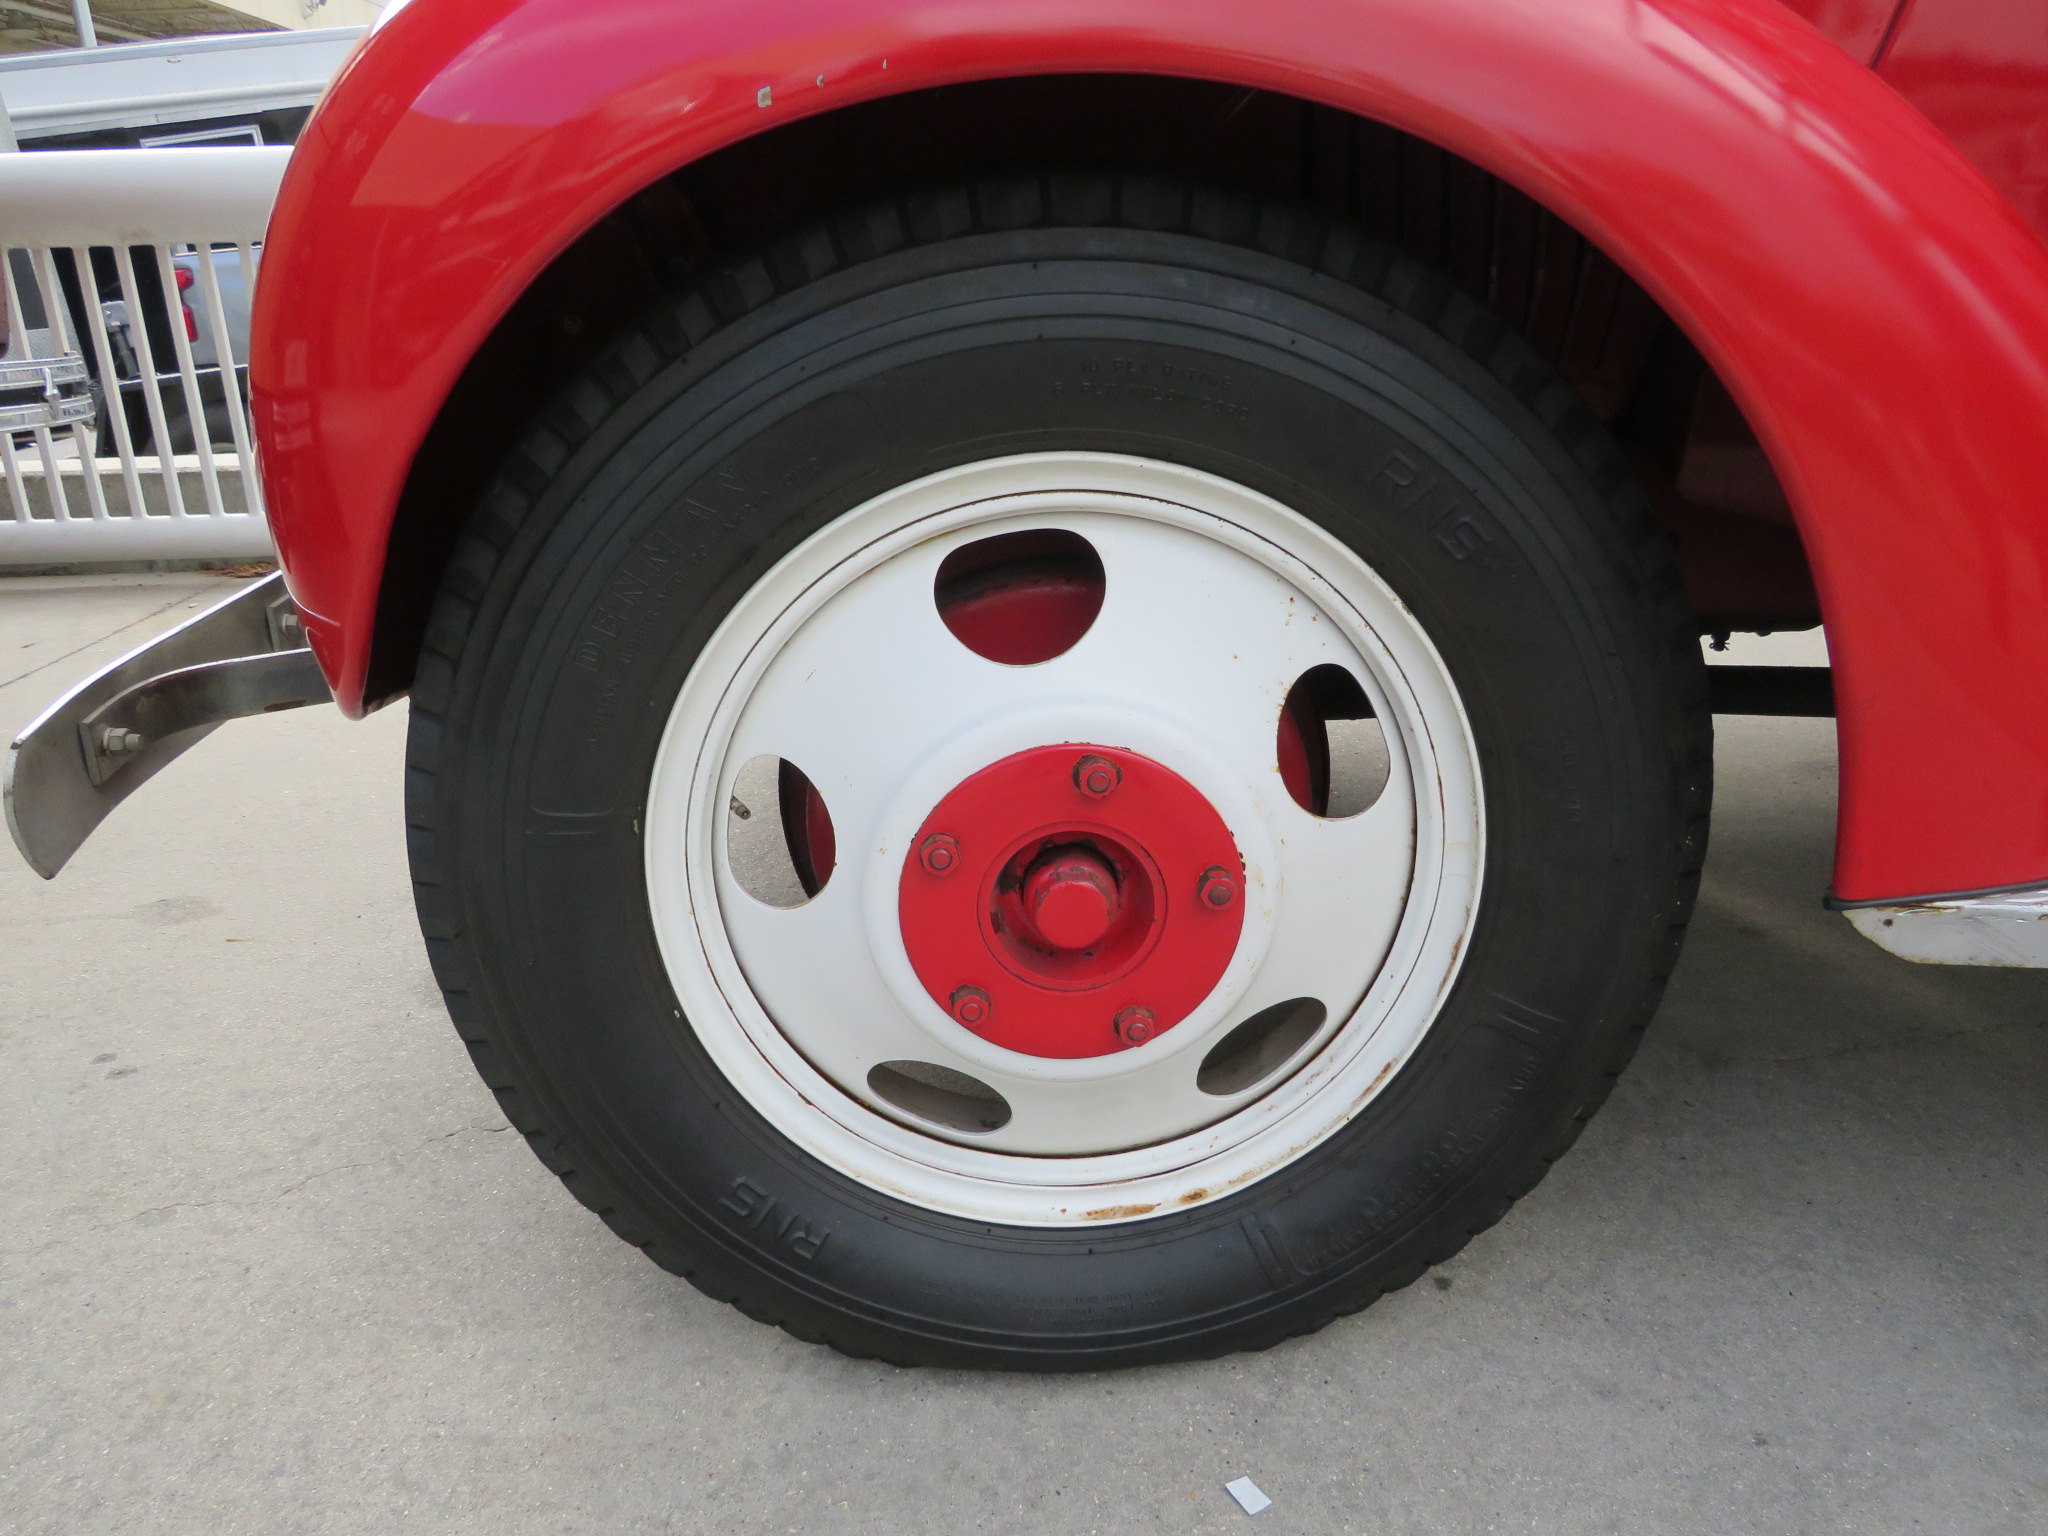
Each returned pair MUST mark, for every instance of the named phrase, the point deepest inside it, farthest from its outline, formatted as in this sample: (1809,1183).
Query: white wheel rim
(1216,600)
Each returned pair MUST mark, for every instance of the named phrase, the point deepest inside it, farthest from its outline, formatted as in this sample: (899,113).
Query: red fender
(1880,312)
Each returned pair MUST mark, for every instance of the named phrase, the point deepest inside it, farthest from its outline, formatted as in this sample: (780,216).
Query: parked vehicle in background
(240,89)
(234,287)
(144,337)
(98,237)
(189,311)
(42,382)
(1057,711)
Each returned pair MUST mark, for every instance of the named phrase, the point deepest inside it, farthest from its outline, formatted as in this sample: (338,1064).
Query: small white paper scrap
(1247,1494)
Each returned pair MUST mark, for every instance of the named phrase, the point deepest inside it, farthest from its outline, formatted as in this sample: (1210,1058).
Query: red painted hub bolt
(1135,1024)
(971,1006)
(1217,888)
(1071,898)
(1097,777)
(939,854)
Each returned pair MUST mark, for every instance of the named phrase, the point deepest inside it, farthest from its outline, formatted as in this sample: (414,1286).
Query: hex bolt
(971,1006)
(1136,1024)
(1216,889)
(1097,777)
(117,740)
(939,854)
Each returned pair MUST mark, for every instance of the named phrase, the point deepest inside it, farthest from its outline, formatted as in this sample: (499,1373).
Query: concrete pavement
(271,1262)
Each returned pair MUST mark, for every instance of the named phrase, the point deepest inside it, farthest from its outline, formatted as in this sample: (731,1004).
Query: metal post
(81,12)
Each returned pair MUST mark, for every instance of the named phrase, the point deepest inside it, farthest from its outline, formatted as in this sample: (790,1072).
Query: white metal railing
(95,239)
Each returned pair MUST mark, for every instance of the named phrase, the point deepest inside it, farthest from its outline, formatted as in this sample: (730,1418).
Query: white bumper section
(2009,928)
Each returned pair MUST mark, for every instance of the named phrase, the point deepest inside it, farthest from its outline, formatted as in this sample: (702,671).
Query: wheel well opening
(1714,489)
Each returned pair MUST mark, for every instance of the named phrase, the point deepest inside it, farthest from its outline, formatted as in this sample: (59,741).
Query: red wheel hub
(1072,901)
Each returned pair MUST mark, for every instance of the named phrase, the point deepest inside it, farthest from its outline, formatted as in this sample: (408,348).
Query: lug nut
(1216,889)
(118,740)
(971,1005)
(1136,1024)
(939,854)
(1097,777)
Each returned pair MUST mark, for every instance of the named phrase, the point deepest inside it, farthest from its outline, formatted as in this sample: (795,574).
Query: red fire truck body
(1054,649)
(1867,298)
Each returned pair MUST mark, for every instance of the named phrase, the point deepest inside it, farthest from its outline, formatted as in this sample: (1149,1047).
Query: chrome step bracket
(103,740)
(2005,928)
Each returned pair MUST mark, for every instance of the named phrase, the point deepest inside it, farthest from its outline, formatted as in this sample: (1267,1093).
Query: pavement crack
(158,1210)
(324,1173)
(328,1173)
(183,597)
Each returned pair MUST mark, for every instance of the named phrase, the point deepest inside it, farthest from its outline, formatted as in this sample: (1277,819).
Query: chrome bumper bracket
(104,739)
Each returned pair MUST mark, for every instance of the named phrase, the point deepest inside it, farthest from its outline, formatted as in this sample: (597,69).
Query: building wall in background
(298,13)
(32,26)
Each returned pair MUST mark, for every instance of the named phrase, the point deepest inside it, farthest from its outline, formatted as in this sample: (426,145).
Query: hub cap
(1009,847)
(1079,884)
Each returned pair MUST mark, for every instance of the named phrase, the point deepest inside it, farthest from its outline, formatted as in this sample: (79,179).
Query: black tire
(773,391)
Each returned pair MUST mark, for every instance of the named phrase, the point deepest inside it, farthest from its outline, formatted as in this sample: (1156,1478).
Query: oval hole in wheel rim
(940,1095)
(1332,751)
(778,833)
(1260,1046)
(1021,598)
